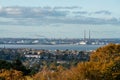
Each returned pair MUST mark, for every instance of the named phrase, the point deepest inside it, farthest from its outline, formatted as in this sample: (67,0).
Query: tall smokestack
(84,35)
(89,35)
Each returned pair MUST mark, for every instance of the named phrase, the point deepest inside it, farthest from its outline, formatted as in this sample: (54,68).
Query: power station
(85,39)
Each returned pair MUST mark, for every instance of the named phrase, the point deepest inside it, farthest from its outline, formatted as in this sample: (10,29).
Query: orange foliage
(11,75)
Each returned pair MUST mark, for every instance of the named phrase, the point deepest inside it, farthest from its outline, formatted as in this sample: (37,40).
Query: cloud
(103,12)
(72,7)
(80,12)
(85,20)
(52,15)
(21,12)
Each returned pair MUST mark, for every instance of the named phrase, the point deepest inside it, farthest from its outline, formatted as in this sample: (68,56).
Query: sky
(59,18)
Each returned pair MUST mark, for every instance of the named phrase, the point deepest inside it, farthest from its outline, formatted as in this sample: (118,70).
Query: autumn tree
(109,59)
(11,75)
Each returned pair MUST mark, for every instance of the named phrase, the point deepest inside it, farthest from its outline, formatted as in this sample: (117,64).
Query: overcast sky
(59,18)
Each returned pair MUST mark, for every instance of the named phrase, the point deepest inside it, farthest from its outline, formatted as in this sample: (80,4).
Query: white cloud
(1,8)
(53,15)
(14,11)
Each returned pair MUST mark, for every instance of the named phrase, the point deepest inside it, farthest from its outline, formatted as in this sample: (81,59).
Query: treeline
(104,64)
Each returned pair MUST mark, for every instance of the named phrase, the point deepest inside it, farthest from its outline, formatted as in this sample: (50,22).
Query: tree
(11,75)
(17,65)
(5,65)
(109,59)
